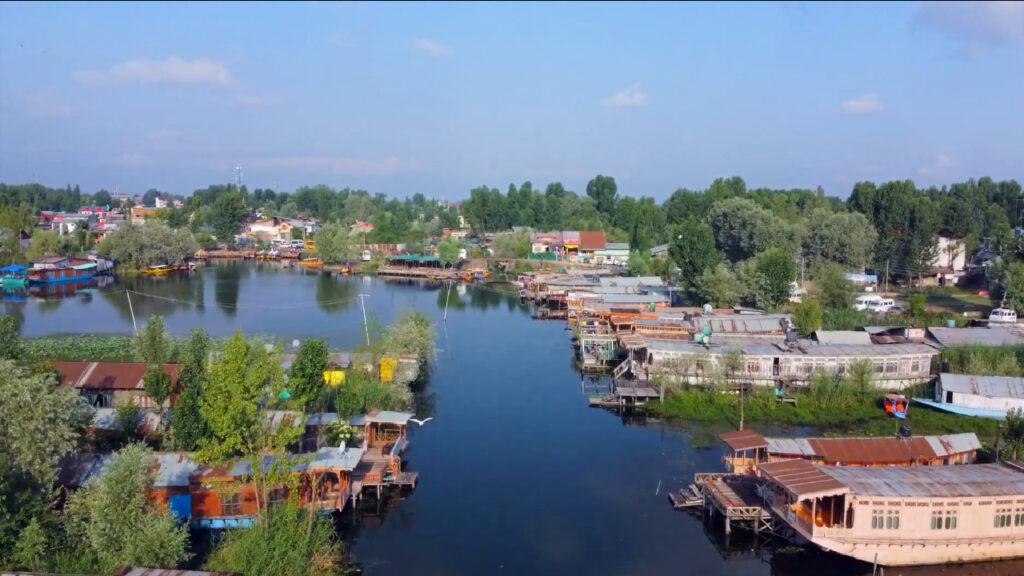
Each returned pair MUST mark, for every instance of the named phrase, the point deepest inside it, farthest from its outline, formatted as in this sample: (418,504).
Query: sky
(440,98)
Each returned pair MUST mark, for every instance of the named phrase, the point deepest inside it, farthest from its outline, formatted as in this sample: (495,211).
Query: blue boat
(962,410)
(14,276)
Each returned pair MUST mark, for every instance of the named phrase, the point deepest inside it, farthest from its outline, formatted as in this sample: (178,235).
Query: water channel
(517,474)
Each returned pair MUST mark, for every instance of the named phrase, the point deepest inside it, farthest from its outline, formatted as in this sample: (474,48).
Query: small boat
(14,276)
(158,270)
(312,263)
(345,270)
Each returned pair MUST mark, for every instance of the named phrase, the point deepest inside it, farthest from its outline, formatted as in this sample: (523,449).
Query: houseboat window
(231,505)
(950,520)
(278,496)
(879,367)
(891,367)
(840,369)
(1018,518)
(753,367)
(915,366)
(892,520)
(1002,519)
(877,520)
(807,367)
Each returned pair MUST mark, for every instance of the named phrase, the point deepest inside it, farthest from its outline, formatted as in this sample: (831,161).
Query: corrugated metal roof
(878,450)
(740,440)
(109,375)
(633,281)
(741,324)
(802,479)
(990,336)
(106,419)
(382,417)
(173,469)
(842,337)
(991,386)
(329,457)
(76,470)
(969,480)
(634,298)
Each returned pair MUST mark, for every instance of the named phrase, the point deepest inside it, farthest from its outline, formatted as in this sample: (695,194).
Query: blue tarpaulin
(13,268)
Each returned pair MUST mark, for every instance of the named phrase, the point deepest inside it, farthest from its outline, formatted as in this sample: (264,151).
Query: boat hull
(924,553)
(54,277)
(15,283)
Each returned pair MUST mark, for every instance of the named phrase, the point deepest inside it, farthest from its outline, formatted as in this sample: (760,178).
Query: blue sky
(438,98)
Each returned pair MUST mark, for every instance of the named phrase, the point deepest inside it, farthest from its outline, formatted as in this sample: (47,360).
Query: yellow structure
(334,378)
(387,369)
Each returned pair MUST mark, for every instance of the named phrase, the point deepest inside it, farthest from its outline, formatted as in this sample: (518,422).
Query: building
(140,214)
(984,396)
(590,243)
(456,233)
(361,227)
(949,263)
(660,252)
(902,516)
(1010,335)
(774,363)
(615,253)
(749,450)
(108,384)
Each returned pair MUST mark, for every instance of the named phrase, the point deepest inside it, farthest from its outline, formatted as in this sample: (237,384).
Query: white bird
(421,422)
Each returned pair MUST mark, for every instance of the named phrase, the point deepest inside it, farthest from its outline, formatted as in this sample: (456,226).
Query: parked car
(1002,316)
(866,301)
(883,306)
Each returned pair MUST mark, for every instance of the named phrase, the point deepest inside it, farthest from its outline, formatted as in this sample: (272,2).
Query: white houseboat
(902,516)
(970,395)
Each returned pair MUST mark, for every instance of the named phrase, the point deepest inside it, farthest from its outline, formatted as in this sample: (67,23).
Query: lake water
(517,474)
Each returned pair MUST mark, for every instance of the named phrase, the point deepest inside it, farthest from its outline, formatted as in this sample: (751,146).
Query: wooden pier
(732,496)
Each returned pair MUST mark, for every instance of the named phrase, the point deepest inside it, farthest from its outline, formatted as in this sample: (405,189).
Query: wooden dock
(734,497)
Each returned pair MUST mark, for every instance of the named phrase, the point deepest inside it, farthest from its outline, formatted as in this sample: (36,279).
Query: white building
(988,396)
(950,261)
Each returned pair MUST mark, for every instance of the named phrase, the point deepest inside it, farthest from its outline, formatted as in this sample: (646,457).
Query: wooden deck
(735,498)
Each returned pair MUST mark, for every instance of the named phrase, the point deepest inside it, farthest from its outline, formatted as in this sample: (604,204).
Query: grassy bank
(835,413)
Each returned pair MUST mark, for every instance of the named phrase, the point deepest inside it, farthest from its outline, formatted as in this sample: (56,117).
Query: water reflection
(163,296)
(227,281)
(335,294)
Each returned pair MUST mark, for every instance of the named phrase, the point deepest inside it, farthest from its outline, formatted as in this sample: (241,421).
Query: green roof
(415,259)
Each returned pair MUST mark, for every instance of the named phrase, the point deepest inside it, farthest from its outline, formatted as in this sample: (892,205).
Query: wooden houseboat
(57,269)
(983,396)
(384,436)
(218,497)
(901,516)
(748,450)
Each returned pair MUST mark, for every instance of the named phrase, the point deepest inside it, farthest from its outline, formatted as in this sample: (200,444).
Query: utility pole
(366,326)
(132,311)
(887,275)
(446,297)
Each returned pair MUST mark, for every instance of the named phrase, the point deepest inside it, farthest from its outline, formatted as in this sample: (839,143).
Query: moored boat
(312,263)
(158,270)
(14,276)
(58,269)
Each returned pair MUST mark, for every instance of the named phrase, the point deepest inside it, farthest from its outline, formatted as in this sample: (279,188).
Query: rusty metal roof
(109,375)
(882,450)
(971,480)
(740,440)
(803,479)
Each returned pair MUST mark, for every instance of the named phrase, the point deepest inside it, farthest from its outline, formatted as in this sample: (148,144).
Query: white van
(867,302)
(882,306)
(1003,316)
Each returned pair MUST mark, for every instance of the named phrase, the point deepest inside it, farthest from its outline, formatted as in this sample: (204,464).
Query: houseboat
(219,497)
(982,396)
(14,276)
(901,516)
(384,436)
(57,269)
(748,450)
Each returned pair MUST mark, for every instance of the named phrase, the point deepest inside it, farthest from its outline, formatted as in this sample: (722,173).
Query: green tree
(227,214)
(640,264)
(148,244)
(153,344)
(112,524)
(40,422)
(291,542)
(808,317)
(832,288)
(778,271)
(187,422)
(448,251)
(719,287)
(245,375)
(604,192)
(847,238)
(412,334)
(157,384)
(46,243)
(10,339)
(306,378)
(102,198)
(693,250)
(334,243)
(512,245)
(1011,286)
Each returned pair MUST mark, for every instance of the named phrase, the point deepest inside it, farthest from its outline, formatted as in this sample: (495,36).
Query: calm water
(517,474)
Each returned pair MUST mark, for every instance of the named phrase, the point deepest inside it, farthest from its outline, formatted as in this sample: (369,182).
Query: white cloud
(432,48)
(632,97)
(866,104)
(976,22)
(341,166)
(248,101)
(942,165)
(172,70)
(46,106)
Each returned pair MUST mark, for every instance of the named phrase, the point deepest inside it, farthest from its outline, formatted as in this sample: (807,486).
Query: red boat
(57,269)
